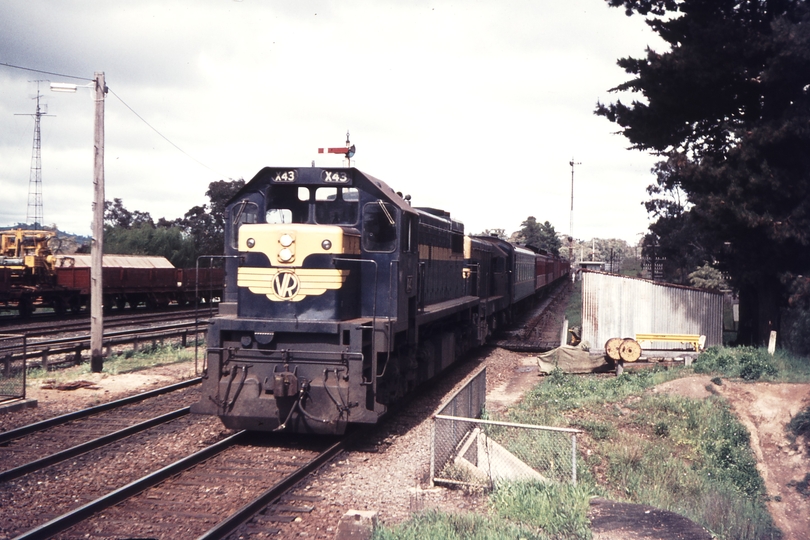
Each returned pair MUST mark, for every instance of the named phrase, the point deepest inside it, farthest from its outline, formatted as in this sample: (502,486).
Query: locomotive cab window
(379,227)
(243,212)
(336,205)
(287,204)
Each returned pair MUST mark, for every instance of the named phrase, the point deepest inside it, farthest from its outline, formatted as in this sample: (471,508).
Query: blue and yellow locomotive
(340,298)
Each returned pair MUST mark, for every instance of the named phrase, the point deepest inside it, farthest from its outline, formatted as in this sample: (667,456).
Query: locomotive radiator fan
(626,349)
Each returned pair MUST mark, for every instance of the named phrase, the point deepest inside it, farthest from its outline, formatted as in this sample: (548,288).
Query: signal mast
(347,151)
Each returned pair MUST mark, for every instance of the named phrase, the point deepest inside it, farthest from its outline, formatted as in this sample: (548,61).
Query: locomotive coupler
(285,384)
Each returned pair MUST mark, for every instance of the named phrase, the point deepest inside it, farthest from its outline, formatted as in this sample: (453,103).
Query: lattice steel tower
(34,215)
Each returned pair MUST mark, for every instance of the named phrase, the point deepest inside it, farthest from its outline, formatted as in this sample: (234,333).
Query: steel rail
(104,440)
(244,514)
(111,322)
(67,345)
(58,420)
(65,521)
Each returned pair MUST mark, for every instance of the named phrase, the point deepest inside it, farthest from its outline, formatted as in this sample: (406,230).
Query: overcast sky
(475,107)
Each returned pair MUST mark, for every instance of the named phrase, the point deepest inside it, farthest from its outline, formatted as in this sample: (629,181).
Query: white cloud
(474,107)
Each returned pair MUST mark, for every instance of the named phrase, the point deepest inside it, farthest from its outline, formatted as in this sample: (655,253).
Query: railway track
(538,330)
(208,494)
(42,328)
(36,446)
(56,480)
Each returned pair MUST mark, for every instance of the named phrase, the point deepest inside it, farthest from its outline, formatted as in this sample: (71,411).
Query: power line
(45,72)
(127,106)
(164,137)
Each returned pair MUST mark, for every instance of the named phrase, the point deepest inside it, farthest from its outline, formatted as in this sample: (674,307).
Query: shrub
(750,363)
(800,424)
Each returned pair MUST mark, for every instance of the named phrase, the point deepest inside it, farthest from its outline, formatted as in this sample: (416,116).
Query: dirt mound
(766,410)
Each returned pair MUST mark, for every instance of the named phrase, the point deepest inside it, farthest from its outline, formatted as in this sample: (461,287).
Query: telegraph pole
(571,225)
(97,243)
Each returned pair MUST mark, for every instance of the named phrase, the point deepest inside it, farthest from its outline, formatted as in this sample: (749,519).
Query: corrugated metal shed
(619,306)
(116,261)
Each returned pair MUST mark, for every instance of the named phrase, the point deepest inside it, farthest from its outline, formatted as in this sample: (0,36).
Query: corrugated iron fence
(619,306)
(469,451)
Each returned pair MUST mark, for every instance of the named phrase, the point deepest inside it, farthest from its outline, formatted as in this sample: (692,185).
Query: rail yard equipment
(32,275)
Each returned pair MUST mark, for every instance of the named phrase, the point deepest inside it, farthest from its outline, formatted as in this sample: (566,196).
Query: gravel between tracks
(388,473)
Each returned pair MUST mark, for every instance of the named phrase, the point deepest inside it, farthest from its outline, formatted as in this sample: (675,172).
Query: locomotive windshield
(322,205)
(379,227)
(244,212)
(336,206)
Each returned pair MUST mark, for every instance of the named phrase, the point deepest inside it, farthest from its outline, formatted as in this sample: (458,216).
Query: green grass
(517,510)
(752,364)
(692,457)
(126,362)
(559,510)
(440,526)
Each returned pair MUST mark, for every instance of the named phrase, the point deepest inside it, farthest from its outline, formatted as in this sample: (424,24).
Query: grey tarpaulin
(570,359)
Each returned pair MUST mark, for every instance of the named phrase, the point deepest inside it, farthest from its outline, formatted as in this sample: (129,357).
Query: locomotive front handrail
(373,318)
(388,327)
(197,301)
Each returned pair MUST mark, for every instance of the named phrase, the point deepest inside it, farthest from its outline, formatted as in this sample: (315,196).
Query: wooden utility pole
(571,225)
(97,243)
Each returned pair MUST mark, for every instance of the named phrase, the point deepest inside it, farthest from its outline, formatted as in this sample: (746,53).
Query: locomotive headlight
(326,245)
(286,240)
(250,242)
(285,255)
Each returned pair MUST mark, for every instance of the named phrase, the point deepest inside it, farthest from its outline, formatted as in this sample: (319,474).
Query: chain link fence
(469,451)
(12,366)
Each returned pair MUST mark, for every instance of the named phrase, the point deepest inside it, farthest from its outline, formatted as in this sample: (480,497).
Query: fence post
(432,451)
(574,458)
(184,338)
(45,352)
(7,366)
(77,356)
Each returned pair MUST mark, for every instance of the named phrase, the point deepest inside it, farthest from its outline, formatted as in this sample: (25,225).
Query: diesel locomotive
(340,298)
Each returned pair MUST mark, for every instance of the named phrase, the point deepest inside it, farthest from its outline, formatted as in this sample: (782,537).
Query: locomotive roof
(349,176)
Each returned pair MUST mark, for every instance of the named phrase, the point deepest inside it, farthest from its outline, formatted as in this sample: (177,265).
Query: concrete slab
(16,405)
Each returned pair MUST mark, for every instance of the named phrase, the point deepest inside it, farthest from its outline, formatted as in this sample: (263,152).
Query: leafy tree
(182,240)
(605,250)
(540,236)
(728,108)
(169,242)
(707,277)
(115,215)
(206,224)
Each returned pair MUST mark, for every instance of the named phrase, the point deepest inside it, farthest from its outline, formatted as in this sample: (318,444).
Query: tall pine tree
(728,108)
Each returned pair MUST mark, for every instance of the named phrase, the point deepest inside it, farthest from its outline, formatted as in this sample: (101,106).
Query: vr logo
(286,285)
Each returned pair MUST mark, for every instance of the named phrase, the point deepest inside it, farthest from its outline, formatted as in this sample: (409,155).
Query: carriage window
(336,206)
(242,212)
(379,227)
